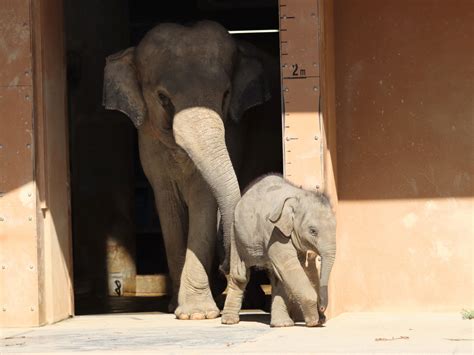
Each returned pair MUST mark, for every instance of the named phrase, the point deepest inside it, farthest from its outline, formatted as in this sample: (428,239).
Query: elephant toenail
(183,316)
(197,316)
(212,314)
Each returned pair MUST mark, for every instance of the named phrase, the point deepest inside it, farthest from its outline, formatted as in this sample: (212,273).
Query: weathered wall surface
(35,248)
(18,237)
(404,91)
(52,160)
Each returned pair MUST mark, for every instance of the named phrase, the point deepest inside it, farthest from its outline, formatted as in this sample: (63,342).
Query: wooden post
(35,240)
(308,95)
(307,72)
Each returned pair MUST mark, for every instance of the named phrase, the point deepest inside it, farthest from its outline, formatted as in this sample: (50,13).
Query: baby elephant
(281,227)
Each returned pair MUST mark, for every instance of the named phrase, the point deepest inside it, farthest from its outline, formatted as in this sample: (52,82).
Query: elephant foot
(230,318)
(279,323)
(194,313)
(313,322)
(197,309)
(280,317)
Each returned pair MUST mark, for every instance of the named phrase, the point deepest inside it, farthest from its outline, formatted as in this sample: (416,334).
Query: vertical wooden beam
(328,115)
(308,96)
(52,160)
(300,73)
(307,71)
(19,271)
(328,97)
(35,243)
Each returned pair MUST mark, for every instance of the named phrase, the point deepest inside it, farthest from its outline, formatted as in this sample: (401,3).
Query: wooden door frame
(52,161)
(35,231)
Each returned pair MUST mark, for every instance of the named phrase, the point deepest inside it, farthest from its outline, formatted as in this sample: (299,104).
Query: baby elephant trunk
(327,261)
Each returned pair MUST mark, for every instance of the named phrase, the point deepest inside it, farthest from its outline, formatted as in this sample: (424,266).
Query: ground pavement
(141,333)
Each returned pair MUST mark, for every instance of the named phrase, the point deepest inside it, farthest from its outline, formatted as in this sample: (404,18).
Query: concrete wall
(404,92)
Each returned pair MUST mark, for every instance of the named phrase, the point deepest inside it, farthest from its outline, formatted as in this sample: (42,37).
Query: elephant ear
(250,86)
(122,91)
(283,216)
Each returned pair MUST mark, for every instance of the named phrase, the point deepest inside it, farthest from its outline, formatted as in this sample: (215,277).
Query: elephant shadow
(263,318)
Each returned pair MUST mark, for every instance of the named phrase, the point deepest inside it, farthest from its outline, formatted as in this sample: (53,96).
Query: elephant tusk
(309,255)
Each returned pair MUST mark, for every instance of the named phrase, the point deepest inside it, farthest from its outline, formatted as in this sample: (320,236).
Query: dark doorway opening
(113,213)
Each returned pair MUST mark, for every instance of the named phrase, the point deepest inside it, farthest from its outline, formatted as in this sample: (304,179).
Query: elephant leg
(238,279)
(313,275)
(280,316)
(173,220)
(233,302)
(297,285)
(195,299)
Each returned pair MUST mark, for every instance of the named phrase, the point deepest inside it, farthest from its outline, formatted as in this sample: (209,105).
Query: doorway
(115,224)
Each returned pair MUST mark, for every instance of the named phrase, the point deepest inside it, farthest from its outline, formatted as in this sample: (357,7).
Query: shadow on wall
(404,84)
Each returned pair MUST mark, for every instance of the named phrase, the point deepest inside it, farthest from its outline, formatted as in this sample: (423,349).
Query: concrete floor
(140,333)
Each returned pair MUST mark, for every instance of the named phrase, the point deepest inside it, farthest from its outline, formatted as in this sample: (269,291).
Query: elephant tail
(225,265)
(232,263)
(223,247)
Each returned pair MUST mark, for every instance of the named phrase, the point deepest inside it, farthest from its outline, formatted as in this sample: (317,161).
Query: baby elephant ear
(122,91)
(283,215)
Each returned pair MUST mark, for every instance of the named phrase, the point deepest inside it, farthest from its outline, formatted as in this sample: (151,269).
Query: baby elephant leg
(286,264)
(280,302)
(237,280)
(233,302)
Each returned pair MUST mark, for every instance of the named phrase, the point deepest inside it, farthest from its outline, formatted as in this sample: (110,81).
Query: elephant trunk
(327,261)
(200,132)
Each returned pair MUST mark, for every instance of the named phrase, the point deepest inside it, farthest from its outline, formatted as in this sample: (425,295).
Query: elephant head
(181,85)
(310,223)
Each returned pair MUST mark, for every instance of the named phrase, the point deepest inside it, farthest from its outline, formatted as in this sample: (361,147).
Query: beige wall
(404,96)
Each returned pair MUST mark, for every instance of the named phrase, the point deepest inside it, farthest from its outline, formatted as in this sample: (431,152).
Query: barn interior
(118,251)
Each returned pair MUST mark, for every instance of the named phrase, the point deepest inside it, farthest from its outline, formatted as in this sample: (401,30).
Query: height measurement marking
(296,72)
(299,77)
(299,46)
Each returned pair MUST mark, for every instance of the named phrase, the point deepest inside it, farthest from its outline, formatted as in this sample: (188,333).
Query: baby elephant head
(310,223)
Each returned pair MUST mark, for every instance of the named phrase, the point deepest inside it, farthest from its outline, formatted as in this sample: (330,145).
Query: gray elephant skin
(185,89)
(282,228)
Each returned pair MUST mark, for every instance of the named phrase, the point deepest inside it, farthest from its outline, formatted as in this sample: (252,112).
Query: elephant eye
(164,100)
(313,231)
(166,103)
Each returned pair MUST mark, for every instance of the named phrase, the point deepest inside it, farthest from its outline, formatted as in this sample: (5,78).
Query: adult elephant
(185,89)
